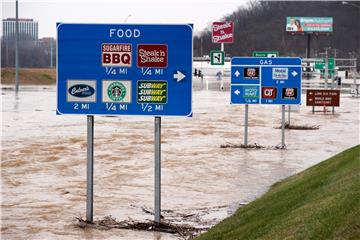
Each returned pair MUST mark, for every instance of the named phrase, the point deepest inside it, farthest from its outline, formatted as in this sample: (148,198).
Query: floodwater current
(43,162)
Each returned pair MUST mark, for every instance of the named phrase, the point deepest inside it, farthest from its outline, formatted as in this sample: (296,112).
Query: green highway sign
(320,64)
(265,54)
(217,57)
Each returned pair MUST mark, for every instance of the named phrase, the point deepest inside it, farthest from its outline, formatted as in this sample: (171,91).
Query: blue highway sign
(265,80)
(124,69)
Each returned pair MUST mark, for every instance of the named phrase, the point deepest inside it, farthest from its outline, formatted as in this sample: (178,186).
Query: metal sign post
(156,61)
(265,81)
(222,69)
(90,168)
(326,73)
(246,124)
(283,126)
(157,206)
(289,110)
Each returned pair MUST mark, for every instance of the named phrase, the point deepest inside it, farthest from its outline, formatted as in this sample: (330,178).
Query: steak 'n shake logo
(152,55)
(223,32)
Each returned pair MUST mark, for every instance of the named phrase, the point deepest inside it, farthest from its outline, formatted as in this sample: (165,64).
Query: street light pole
(125,21)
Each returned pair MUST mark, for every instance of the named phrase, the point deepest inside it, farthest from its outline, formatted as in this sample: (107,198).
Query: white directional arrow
(237,73)
(237,92)
(294,73)
(179,76)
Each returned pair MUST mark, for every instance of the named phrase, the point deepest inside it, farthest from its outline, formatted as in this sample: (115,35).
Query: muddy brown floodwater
(43,162)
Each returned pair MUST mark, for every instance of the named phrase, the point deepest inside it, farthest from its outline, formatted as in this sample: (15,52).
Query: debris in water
(108,222)
(252,146)
(300,127)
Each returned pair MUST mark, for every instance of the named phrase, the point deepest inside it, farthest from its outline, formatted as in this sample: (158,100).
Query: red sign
(116,55)
(152,55)
(223,32)
(317,97)
(268,92)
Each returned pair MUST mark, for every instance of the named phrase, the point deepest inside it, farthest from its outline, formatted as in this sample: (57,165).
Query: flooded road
(43,162)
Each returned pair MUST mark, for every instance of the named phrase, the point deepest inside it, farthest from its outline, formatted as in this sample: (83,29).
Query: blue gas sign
(265,80)
(124,69)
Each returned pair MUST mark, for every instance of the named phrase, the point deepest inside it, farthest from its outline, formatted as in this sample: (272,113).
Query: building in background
(28,29)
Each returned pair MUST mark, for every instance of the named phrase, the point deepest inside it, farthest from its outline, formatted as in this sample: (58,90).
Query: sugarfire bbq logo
(116,55)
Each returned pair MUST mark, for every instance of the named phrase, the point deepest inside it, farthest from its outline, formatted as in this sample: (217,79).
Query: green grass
(322,202)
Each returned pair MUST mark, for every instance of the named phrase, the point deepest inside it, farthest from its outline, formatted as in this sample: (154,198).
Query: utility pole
(326,73)
(308,55)
(51,53)
(17,48)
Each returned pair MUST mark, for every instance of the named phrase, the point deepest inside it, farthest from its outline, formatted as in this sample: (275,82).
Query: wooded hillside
(261,26)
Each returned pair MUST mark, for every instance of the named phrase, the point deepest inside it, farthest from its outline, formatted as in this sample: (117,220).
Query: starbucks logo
(116,91)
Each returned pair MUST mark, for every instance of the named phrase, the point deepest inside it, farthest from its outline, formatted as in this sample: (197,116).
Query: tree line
(32,52)
(261,26)
(258,26)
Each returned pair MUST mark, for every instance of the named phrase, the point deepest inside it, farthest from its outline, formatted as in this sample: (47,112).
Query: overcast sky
(47,12)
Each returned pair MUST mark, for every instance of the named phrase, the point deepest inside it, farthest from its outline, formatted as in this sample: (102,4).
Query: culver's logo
(81,90)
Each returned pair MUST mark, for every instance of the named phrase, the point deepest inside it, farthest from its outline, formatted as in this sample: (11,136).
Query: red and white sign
(268,92)
(116,54)
(223,32)
(152,55)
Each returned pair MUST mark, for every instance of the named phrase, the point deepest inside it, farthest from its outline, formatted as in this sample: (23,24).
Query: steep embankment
(322,202)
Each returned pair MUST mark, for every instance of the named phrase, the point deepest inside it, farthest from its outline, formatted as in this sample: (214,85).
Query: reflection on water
(16,102)
(43,162)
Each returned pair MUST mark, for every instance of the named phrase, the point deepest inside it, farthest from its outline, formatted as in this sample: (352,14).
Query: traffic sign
(265,54)
(217,57)
(265,80)
(322,97)
(124,69)
(320,64)
(223,32)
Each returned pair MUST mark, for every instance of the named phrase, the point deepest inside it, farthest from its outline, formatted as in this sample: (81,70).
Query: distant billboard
(309,24)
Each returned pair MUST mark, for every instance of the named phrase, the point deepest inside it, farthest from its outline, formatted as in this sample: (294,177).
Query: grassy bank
(29,76)
(322,202)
